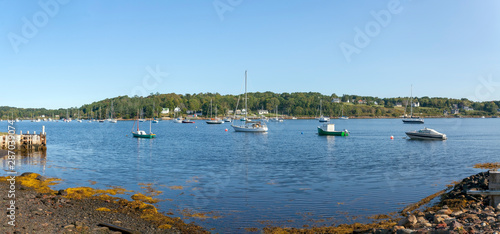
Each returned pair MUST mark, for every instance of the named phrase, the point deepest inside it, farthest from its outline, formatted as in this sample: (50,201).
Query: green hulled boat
(142,134)
(329,129)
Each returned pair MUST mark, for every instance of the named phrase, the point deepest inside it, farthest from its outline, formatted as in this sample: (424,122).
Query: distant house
(165,111)
(230,112)
(398,104)
(199,113)
(445,112)
(56,116)
(238,112)
(243,111)
(455,112)
(466,108)
(347,101)
(263,112)
(375,102)
(177,109)
(43,116)
(189,112)
(361,101)
(336,100)
(415,104)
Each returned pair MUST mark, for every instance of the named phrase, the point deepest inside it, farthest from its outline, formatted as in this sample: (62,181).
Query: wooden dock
(25,142)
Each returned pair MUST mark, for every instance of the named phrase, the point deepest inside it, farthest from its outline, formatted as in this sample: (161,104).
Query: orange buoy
(392,137)
(226,129)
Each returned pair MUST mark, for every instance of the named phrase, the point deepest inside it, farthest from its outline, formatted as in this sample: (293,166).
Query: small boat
(227,119)
(214,120)
(342,116)
(412,119)
(112,114)
(249,126)
(294,117)
(321,117)
(178,120)
(426,134)
(329,130)
(141,133)
(187,121)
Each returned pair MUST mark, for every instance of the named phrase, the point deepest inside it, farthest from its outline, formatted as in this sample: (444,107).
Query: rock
(405,231)
(69,226)
(456,225)
(412,220)
(444,211)
(440,218)
(441,226)
(79,224)
(456,213)
(62,192)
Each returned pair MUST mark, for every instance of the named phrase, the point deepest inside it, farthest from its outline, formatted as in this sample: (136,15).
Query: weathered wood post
(493,188)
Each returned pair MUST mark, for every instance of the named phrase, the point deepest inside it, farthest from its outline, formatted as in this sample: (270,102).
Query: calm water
(289,176)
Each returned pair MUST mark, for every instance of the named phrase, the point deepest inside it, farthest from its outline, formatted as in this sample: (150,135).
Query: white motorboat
(178,120)
(249,126)
(426,134)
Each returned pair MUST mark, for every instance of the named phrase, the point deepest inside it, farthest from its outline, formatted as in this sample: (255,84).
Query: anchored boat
(249,126)
(329,129)
(426,134)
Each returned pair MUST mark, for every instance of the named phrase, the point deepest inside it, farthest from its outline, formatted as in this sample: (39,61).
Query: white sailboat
(412,119)
(112,114)
(321,117)
(249,126)
(215,120)
(342,116)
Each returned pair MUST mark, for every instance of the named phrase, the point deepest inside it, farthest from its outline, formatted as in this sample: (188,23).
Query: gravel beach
(38,209)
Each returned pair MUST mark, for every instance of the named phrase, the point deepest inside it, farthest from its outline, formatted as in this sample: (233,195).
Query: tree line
(300,104)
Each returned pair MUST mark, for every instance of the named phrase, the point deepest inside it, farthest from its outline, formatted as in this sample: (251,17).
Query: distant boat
(426,134)
(321,117)
(294,117)
(141,133)
(342,116)
(111,114)
(187,121)
(227,119)
(249,126)
(214,120)
(412,119)
(329,129)
(178,120)
(155,120)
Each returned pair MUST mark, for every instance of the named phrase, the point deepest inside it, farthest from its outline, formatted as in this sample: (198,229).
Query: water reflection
(26,159)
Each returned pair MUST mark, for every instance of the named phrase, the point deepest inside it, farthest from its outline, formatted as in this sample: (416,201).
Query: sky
(67,53)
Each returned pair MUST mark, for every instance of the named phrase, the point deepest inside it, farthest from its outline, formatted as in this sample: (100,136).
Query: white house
(263,112)
(455,112)
(336,100)
(415,104)
(398,104)
(177,109)
(466,108)
(165,111)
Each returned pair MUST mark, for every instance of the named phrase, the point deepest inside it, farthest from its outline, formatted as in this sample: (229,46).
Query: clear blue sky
(84,51)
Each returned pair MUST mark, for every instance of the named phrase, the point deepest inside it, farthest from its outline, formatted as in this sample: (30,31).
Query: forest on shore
(299,104)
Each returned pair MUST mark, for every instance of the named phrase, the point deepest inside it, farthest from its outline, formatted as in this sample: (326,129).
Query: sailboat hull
(249,128)
(413,121)
(144,136)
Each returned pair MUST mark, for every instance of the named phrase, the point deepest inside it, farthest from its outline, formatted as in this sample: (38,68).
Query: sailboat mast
(320,108)
(246,107)
(411,101)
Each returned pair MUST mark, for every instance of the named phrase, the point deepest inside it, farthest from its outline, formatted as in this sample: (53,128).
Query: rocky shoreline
(456,212)
(40,209)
